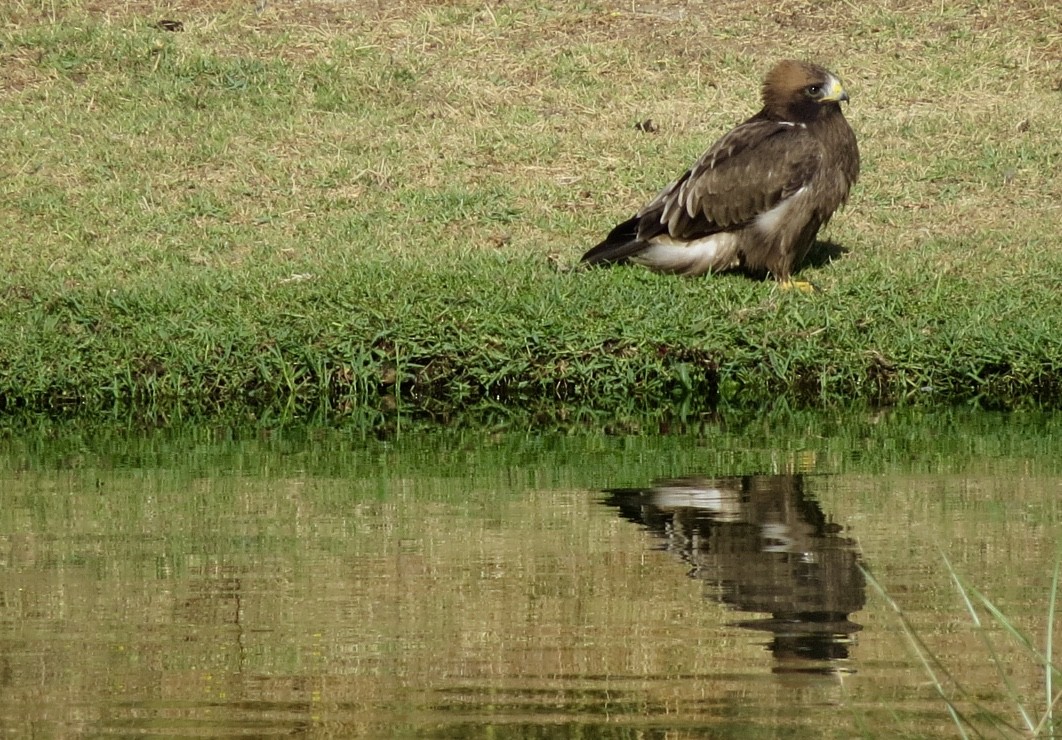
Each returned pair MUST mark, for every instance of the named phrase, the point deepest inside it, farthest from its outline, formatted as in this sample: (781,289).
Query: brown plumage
(757,198)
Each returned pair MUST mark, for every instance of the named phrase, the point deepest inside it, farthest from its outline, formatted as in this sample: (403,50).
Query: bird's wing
(745,173)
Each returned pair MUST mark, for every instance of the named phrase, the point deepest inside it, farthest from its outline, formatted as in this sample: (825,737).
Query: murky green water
(691,582)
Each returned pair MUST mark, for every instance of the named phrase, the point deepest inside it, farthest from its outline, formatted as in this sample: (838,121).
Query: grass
(348,206)
(972,714)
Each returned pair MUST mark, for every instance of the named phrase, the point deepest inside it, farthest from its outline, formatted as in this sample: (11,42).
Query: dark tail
(618,247)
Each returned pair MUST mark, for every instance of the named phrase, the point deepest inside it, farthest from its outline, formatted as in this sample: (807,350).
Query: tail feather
(618,247)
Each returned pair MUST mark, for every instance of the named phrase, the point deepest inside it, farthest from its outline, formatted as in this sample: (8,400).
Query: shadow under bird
(757,198)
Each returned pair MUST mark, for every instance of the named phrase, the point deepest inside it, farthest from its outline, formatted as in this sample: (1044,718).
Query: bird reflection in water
(765,545)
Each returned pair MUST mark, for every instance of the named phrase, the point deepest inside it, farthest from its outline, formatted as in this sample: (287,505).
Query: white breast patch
(769,221)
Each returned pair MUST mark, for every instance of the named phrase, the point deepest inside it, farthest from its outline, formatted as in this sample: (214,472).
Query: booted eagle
(758,197)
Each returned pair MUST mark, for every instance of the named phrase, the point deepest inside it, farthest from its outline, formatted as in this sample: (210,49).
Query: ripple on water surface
(452,583)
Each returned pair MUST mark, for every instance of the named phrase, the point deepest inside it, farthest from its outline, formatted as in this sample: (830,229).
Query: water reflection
(190,583)
(766,546)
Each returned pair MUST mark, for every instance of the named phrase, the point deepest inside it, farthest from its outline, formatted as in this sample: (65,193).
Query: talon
(802,285)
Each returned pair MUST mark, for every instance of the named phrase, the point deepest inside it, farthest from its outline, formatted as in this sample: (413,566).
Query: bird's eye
(813,89)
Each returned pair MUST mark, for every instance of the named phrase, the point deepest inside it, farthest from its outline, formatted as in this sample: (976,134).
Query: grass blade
(1009,627)
(983,635)
(932,665)
(1052,600)
(1047,718)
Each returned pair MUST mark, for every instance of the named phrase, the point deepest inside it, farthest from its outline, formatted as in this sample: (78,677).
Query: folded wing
(745,174)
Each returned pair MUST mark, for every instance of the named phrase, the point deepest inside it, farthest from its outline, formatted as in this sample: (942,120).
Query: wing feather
(744,174)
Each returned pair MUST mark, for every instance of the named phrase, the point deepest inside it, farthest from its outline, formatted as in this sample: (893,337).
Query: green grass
(516,332)
(348,207)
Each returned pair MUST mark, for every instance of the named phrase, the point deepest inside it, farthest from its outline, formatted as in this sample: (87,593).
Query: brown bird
(756,199)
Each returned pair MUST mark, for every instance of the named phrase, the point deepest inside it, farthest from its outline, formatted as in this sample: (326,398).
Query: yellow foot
(801,285)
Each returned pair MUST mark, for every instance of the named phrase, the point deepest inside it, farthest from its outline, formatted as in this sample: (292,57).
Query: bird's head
(801,92)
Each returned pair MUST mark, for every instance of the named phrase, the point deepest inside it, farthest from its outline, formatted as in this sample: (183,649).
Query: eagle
(756,199)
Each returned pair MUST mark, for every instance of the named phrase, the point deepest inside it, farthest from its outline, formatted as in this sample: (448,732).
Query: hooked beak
(834,92)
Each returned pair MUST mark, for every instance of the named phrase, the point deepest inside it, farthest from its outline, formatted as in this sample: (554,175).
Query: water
(680,582)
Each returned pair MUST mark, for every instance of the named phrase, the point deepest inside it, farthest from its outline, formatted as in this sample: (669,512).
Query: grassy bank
(357,207)
(402,333)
